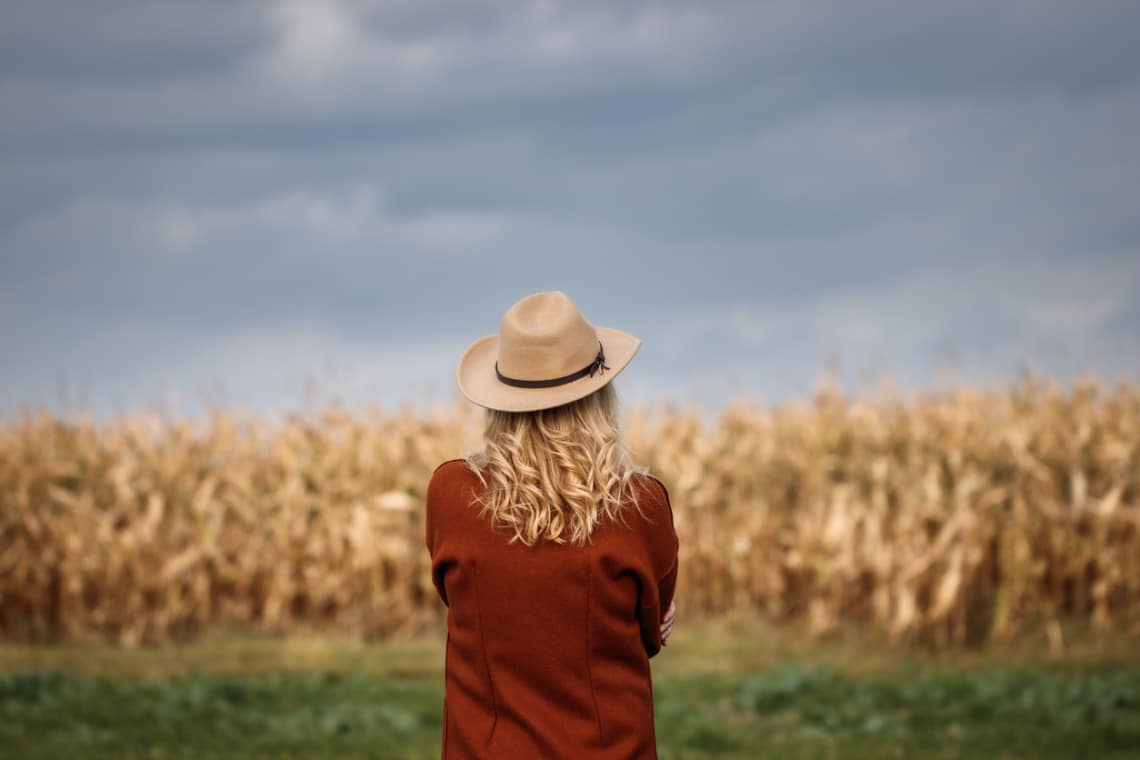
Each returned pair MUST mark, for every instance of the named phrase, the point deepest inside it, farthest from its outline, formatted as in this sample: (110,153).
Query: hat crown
(544,336)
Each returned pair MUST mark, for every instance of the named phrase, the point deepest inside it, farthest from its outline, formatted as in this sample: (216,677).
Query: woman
(555,555)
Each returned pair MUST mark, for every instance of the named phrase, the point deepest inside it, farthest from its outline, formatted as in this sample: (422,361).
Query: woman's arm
(663,556)
(436,494)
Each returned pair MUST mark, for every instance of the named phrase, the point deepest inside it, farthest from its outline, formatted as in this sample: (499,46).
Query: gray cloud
(199,196)
(116,41)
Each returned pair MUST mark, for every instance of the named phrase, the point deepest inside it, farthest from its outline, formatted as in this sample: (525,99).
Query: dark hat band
(598,364)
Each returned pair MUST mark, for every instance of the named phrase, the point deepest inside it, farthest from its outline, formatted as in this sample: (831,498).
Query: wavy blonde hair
(556,473)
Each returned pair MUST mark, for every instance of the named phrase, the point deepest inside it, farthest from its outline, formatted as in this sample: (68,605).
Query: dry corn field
(956,518)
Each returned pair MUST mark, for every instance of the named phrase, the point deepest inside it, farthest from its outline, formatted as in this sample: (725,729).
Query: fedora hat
(546,354)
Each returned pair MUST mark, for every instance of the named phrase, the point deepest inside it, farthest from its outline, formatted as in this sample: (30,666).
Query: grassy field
(729,690)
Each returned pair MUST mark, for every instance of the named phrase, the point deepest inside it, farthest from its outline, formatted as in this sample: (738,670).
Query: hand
(667,622)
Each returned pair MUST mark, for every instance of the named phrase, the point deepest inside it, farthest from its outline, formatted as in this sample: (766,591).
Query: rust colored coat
(548,646)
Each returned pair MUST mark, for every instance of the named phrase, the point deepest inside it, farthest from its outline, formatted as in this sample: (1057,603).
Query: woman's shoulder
(654,520)
(451,487)
(451,473)
(450,477)
(653,498)
(650,484)
(449,468)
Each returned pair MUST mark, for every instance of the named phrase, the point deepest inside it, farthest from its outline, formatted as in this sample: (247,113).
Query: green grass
(792,711)
(744,692)
(819,712)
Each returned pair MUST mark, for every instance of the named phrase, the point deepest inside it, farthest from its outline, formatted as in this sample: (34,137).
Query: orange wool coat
(548,646)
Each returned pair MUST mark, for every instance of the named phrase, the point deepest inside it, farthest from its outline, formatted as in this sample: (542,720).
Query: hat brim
(476,377)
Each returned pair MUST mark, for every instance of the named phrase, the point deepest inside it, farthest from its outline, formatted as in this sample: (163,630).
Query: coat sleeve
(662,571)
(434,502)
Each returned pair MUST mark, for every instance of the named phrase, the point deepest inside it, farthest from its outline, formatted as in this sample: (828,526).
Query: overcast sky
(236,202)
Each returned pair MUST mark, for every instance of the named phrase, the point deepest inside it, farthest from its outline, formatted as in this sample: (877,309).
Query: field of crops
(957,519)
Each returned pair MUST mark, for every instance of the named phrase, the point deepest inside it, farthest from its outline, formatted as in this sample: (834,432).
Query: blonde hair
(556,472)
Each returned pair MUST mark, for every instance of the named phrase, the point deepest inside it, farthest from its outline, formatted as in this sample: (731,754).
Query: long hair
(556,473)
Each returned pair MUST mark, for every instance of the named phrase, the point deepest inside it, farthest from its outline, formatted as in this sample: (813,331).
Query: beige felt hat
(546,354)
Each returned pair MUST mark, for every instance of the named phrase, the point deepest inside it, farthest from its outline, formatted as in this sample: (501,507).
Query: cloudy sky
(250,204)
